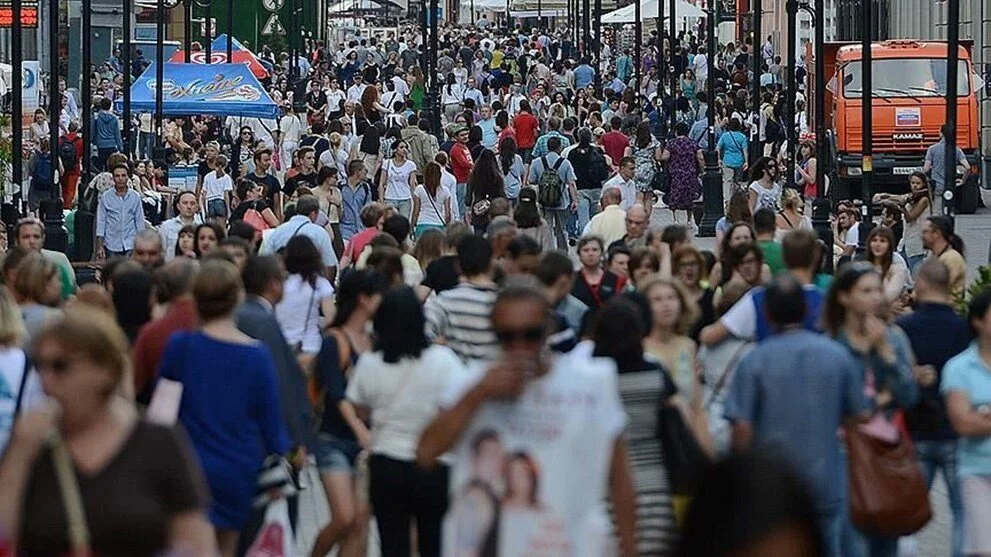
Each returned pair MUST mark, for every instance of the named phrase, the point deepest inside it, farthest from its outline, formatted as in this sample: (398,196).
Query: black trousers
(400,492)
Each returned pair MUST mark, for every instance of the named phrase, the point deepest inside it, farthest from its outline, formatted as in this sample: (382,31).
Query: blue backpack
(41,177)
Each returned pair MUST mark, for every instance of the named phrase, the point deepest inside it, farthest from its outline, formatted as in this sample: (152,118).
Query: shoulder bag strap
(79,536)
(722,378)
(432,204)
(309,311)
(24,382)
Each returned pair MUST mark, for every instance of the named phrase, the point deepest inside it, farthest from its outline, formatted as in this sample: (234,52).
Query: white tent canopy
(648,10)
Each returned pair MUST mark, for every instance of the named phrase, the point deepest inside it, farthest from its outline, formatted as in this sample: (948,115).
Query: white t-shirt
(628,189)
(355,91)
(766,198)
(561,430)
(432,209)
(404,397)
(291,128)
(298,300)
(448,181)
(214,187)
(11,375)
(335,100)
(852,235)
(397,184)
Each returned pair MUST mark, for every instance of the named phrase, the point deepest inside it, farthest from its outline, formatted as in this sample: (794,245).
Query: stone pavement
(932,541)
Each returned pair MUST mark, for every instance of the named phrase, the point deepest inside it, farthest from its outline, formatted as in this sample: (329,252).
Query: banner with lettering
(215,90)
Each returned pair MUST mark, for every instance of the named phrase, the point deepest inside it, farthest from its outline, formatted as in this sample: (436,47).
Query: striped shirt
(462,317)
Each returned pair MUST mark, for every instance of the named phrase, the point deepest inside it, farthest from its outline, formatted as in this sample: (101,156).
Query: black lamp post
(56,238)
(952,76)
(712,187)
(230,30)
(433,89)
(638,38)
(159,154)
(867,117)
(126,25)
(11,213)
(791,9)
(756,147)
(673,33)
(821,205)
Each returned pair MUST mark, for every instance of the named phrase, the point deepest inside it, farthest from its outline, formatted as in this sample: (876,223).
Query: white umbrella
(648,10)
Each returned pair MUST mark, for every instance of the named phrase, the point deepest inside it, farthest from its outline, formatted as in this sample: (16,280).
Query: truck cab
(908,108)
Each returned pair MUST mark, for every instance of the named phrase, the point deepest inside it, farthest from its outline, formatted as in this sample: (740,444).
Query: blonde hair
(33,274)
(689,307)
(12,330)
(790,198)
(93,334)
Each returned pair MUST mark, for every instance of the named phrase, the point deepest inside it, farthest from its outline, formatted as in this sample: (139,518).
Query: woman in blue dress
(230,405)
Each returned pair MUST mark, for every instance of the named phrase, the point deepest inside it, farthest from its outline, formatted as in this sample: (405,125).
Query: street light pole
(638,30)
(952,77)
(208,32)
(791,9)
(867,117)
(17,113)
(56,238)
(433,92)
(127,76)
(671,50)
(187,28)
(821,205)
(87,87)
(159,78)
(712,187)
(756,147)
(230,30)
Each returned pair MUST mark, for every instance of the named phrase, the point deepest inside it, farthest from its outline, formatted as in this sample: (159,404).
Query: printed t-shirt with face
(530,475)
(397,184)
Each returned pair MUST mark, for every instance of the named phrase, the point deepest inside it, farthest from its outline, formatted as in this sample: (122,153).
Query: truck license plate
(905,170)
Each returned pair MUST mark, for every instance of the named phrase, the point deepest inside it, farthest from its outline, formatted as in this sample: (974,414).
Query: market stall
(218,55)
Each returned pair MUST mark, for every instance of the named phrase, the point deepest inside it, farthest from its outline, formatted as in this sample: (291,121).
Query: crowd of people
(479,340)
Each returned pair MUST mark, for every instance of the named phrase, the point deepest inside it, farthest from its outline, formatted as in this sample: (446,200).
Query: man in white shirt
(217,188)
(701,64)
(303,223)
(399,80)
(623,181)
(610,223)
(355,91)
(539,410)
(188,208)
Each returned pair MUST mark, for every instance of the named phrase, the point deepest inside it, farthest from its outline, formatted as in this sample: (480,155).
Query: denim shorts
(335,454)
(216,208)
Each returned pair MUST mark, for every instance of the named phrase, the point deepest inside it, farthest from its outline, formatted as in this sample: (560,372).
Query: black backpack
(549,184)
(67,153)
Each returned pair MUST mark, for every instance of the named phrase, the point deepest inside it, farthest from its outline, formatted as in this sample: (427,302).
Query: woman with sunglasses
(89,436)
(764,190)
(242,149)
(852,315)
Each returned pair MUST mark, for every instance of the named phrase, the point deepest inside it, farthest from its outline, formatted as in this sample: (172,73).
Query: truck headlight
(854,171)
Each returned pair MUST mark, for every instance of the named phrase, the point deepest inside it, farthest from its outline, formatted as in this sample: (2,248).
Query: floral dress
(684,173)
(646,165)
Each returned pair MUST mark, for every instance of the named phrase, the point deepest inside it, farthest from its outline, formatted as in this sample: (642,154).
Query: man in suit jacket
(263,278)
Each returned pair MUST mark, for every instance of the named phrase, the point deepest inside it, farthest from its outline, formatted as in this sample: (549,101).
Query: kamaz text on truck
(908,108)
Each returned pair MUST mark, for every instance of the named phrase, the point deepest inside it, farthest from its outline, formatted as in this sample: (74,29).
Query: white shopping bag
(165,401)
(275,539)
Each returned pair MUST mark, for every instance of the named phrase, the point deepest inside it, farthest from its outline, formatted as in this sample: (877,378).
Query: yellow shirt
(610,224)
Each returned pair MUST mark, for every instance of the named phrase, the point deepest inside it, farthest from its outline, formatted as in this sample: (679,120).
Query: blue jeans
(461,192)
(914,261)
(588,206)
(557,219)
(943,455)
(831,524)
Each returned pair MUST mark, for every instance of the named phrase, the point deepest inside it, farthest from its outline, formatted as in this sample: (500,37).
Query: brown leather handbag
(888,495)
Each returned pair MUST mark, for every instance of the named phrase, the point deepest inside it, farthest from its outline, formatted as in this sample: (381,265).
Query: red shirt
(526,130)
(461,163)
(358,243)
(615,144)
(154,336)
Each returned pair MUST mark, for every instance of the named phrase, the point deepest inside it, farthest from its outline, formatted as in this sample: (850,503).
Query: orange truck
(908,107)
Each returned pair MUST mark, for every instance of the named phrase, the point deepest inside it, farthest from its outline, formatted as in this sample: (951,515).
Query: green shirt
(772,256)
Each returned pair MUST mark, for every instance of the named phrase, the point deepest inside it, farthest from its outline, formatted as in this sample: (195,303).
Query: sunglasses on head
(527,334)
